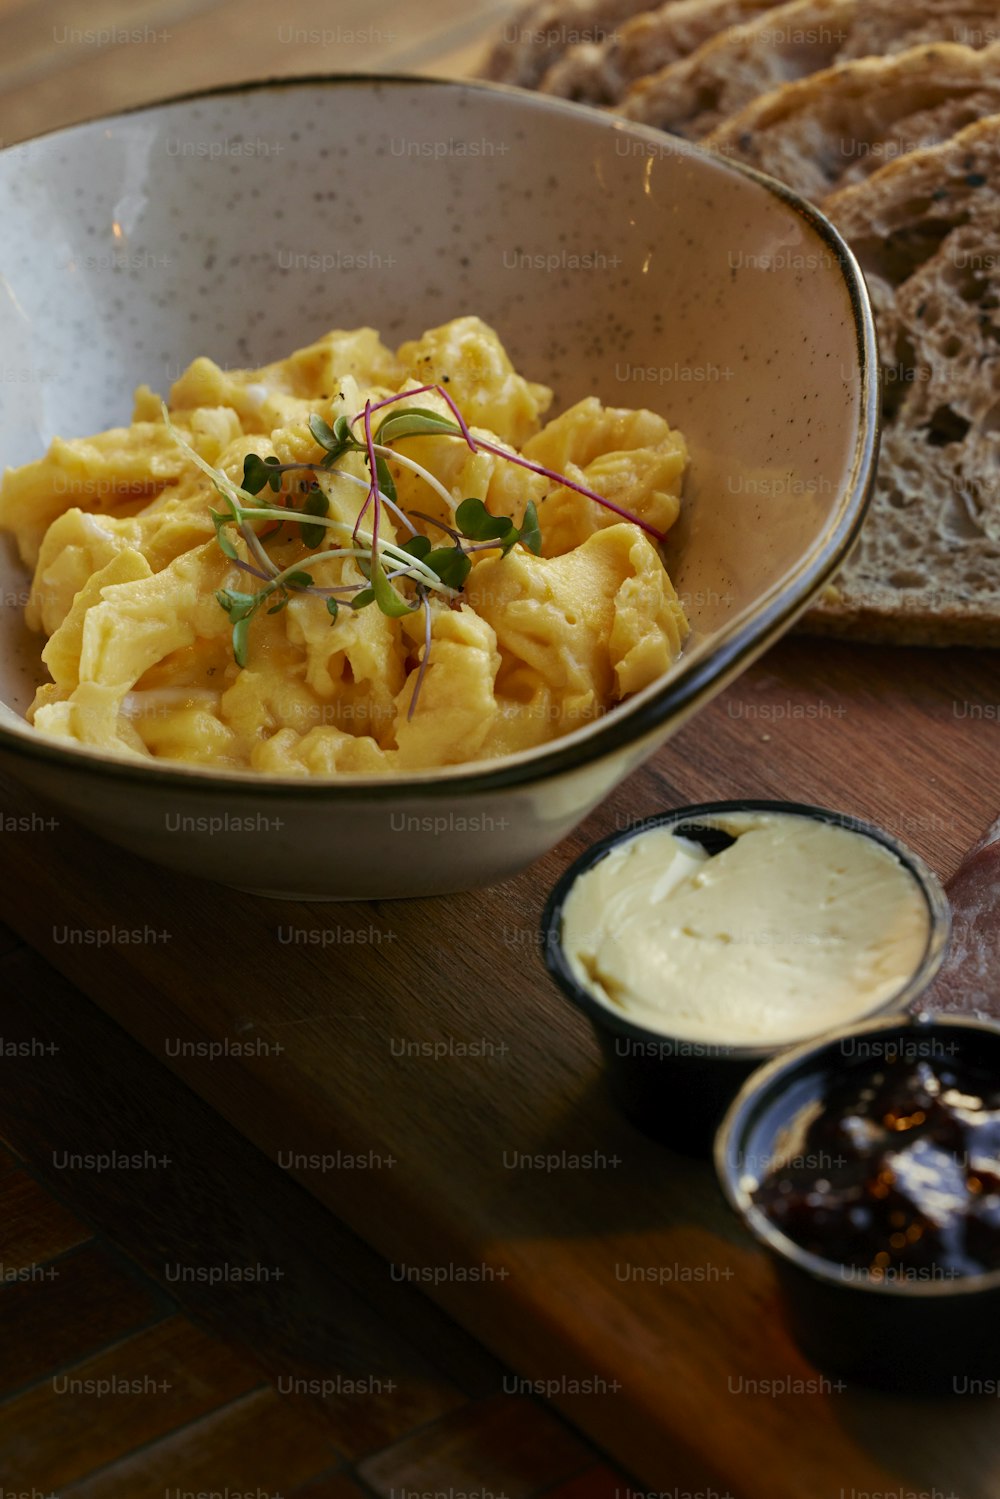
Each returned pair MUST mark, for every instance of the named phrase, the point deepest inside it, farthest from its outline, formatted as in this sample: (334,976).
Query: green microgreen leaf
(451,565)
(531,531)
(388,599)
(299,580)
(333,609)
(418,546)
(337,440)
(415,421)
(386,483)
(316,504)
(478,524)
(241,608)
(240,605)
(362,599)
(225,544)
(241,632)
(325,435)
(281,604)
(259,472)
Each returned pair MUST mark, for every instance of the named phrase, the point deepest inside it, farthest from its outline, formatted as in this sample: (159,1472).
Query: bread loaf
(926,230)
(694,96)
(538,35)
(838,126)
(602,72)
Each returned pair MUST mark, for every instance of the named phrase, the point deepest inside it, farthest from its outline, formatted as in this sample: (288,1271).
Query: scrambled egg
(118,532)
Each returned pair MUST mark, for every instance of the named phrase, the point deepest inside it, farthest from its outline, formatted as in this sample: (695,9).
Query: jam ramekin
(927,1332)
(677,1090)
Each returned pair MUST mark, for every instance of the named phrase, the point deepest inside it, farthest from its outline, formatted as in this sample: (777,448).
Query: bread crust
(696,95)
(926,569)
(538,35)
(601,73)
(768,51)
(838,126)
(870,626)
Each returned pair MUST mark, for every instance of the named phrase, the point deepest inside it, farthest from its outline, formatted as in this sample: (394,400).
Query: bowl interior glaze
(611,259)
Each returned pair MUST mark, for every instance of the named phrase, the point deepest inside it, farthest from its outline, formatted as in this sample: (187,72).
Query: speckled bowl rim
(763,1085)
(938,925)
(621,727)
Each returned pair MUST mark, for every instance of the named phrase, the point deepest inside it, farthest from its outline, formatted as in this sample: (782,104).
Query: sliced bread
(881,23)
(837,127)
(926,229)
(538,35)
(602,72)
(695,96)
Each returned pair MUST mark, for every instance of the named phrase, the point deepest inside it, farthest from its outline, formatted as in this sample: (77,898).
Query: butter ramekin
(677,1090)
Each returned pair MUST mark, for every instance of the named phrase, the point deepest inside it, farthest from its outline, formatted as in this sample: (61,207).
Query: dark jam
(898,1171)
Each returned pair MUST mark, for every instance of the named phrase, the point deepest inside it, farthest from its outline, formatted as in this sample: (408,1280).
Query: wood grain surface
(906,738)
(62,61)
(550,1268)
(352,1380)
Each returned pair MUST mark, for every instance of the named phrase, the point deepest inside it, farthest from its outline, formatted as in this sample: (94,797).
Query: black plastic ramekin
(675,1090)
(932,1332)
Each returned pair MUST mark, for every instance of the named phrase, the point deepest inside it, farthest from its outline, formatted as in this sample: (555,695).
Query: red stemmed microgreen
(440,571)
(389,599)
(479,444)
(423,390)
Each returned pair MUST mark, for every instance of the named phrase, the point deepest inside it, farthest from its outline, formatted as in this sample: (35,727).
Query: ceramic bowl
(611,259)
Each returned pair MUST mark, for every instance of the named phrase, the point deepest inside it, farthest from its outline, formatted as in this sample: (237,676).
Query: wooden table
(61,61)
(361,1015)
(359,1040)
(312,1377)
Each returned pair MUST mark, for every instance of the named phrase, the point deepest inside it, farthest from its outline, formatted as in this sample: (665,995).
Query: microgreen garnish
(258,472)
(531,531)
(389,600)
(418,546)
(413,422)
(419,391)
(430,570)
(323,433)
(337,440)
(241,608)
(451,564)
(479,444)
(479,524)
(220,522)
(316,503)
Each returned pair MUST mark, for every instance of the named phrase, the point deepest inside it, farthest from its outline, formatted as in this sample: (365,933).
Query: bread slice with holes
(536,36)
(838,126)
(602,72)
(695,96)
(926,229)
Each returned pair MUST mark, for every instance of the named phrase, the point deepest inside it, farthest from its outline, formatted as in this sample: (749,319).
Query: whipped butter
(797,927)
